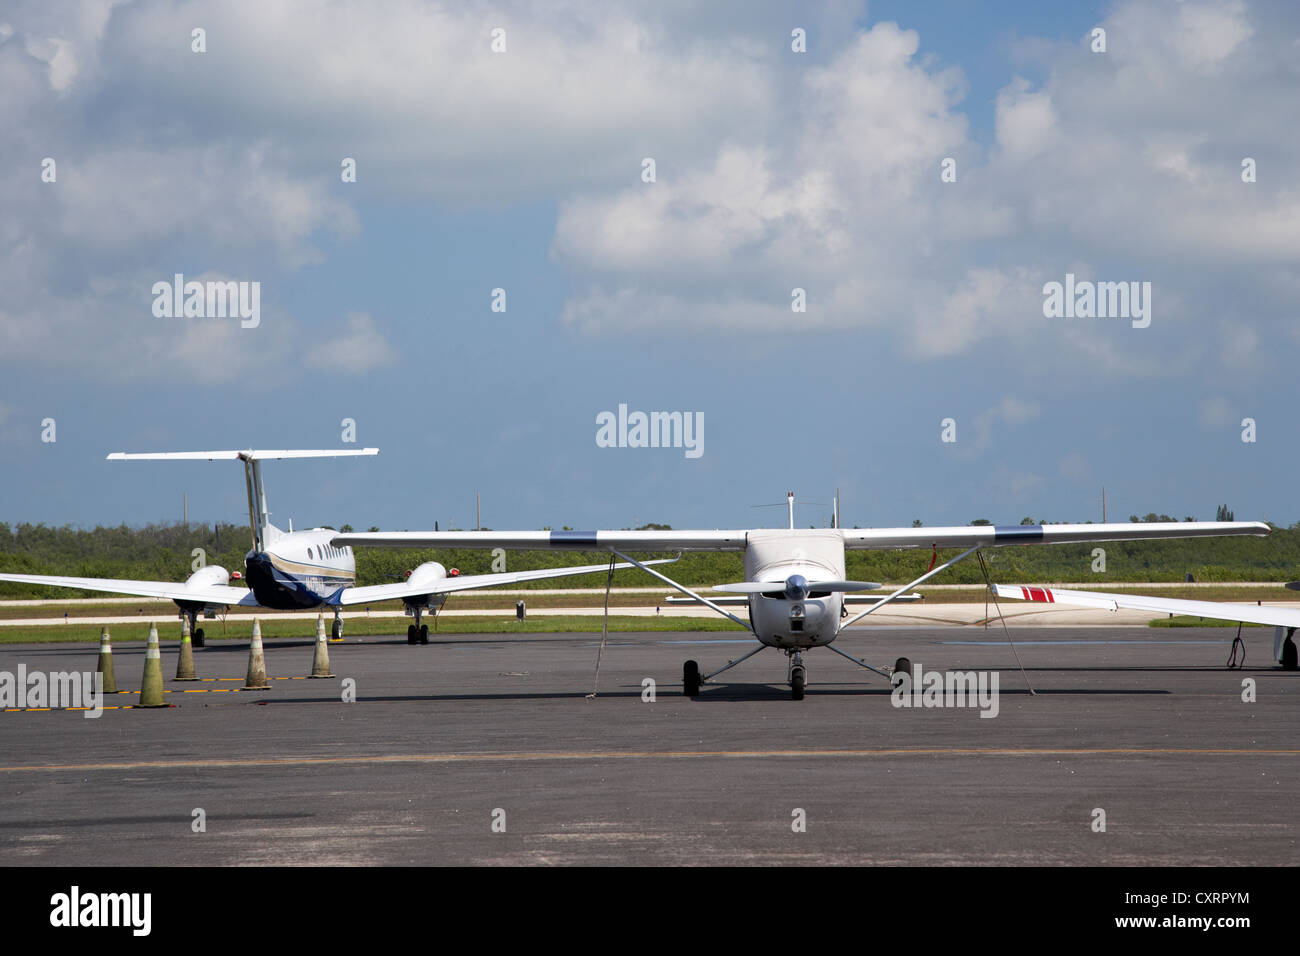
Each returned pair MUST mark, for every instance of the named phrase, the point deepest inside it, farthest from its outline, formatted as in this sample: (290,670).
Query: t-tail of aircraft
(264,533)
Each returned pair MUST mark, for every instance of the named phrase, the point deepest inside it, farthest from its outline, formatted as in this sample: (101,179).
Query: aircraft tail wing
(250,454)
(259,515)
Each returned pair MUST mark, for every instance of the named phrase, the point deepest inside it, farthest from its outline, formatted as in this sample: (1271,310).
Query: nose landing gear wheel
(336,631)
(691,679)
(797,675)
(1288,655)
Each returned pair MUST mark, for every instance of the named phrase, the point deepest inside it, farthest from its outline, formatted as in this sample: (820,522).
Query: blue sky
(522,170)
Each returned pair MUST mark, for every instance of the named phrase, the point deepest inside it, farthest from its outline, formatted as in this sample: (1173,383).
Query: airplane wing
(550,540)
(999,535)
(469,582)
(163,590)
(854,538)
(1248,613)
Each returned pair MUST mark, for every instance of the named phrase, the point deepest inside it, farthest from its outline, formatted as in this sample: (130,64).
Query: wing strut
(907,587)
(685,590)
(705,601)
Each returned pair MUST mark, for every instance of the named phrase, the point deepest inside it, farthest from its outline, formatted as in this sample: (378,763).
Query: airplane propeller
(796,582)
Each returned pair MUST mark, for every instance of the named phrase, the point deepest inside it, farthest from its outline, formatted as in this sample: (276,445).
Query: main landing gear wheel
(336,632)
(901,666)
(798,678)
(691,679)
(1288,655)
(410,633)
(424,633)
(196,639)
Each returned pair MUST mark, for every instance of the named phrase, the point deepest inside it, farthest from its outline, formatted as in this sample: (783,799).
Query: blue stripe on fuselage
(284,591)
(573,539)
(1004,533)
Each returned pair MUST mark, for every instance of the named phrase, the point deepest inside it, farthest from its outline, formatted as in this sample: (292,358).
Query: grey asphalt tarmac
(448,744)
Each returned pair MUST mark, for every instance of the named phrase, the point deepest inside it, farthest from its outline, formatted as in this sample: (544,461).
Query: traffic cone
(320,665)
(106,663)
(151,687)
(185,666)
(256,679)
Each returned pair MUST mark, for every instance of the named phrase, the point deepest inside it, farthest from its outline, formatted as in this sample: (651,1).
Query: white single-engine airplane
(1285,620)
(296,570)
(794,579)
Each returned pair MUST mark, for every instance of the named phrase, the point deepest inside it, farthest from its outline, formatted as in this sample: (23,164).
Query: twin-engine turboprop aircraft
(296,570)
(794,579)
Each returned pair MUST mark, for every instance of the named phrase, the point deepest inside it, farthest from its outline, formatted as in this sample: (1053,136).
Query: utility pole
(478,516)
(185,509)
(1103,504)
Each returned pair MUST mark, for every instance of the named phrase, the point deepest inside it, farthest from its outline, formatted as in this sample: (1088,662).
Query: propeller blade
(759,587)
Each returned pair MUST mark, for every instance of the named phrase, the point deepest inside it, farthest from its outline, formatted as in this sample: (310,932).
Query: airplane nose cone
(796,587)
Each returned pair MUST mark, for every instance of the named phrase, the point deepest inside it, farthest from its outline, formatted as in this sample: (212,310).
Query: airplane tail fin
(258,515)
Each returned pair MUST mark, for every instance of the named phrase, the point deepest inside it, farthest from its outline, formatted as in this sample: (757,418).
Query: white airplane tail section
(258,514)
(248,455)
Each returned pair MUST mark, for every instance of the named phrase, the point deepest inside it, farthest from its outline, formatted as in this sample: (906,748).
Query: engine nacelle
(208,576)
(431,573)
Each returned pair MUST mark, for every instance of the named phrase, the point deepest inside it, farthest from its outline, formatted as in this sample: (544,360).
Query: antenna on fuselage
(789,504)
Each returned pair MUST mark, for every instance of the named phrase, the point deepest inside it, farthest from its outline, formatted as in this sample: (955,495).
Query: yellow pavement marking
(647,755)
